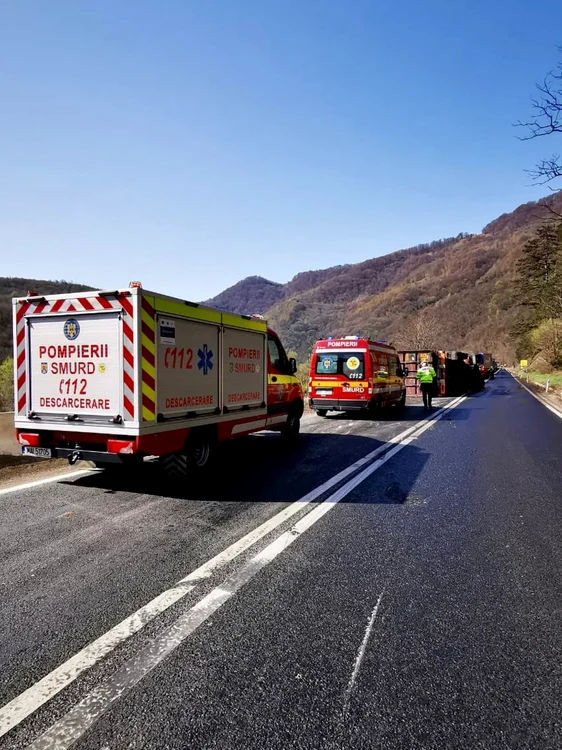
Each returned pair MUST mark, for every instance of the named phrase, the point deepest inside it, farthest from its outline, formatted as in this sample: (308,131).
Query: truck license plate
(324,393)
(27,450)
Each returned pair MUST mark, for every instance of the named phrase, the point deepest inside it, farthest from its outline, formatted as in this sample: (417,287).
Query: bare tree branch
(546,170)
(421,331)
(546,120)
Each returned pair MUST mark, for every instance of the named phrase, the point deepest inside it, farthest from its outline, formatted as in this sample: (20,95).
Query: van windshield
(349,364)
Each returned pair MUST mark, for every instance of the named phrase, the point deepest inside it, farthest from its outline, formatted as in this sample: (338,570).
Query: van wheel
(195,460)
(322,412)
(375,409)
(402,403)
(200,451)
(290,430)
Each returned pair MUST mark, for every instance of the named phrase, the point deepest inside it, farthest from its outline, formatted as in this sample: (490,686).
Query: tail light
(29,438)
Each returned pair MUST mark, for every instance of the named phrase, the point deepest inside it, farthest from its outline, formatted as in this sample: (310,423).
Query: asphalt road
(414,602)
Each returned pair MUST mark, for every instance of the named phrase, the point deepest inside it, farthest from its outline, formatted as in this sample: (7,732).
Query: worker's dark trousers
(427,393)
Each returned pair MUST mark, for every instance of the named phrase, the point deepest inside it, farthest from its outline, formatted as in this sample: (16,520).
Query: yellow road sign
(524,363)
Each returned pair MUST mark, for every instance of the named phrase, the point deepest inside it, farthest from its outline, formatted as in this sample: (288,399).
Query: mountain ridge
(464,286)
(462,289)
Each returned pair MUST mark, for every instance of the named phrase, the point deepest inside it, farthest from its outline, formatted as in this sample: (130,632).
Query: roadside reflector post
(547,384)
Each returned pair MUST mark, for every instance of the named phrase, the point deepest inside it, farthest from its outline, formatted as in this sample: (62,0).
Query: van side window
(277,356)
(381,365)
(392,366)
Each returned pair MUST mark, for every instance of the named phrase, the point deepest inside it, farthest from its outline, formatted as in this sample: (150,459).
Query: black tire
(375,409)
(322,412)
(200,451)
(401,404)
(291,429)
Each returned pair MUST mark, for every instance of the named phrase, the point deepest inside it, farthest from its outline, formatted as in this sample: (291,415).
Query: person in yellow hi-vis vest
(426,375)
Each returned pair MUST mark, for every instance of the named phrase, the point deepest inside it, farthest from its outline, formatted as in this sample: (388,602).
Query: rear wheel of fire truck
(322,412)
(195,459)
(200,450)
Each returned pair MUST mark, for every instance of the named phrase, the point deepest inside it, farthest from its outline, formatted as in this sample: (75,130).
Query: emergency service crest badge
(44,368)
(71,329)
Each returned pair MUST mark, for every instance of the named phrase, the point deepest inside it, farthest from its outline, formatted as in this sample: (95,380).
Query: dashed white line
(361,654)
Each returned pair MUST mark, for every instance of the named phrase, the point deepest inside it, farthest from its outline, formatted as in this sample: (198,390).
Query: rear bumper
(98,456)
(344,404)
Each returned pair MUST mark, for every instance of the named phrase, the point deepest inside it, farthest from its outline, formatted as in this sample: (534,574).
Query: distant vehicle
(485,363)
(113,376)
(352,373)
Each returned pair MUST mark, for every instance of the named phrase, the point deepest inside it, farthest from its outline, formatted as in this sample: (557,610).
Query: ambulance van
(355,374)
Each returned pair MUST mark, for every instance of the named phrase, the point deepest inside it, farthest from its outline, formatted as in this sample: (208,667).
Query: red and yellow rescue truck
(352,373)
(110,376)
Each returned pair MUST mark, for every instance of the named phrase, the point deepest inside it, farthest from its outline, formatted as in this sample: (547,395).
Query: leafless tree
(422,331)
(546,120)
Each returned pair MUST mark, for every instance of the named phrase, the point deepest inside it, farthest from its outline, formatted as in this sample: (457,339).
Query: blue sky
(190,144)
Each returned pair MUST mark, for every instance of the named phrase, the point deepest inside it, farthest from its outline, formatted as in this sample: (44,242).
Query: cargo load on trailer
(412,360)
(113,376)
(352,373)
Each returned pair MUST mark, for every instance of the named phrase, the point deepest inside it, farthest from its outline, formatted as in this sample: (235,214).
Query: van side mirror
(293,363)
(405,372)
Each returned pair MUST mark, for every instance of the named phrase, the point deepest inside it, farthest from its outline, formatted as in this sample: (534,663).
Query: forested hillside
(462,288)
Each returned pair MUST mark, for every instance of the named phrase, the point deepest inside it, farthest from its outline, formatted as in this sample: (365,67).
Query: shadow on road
(253,469)
(414,412)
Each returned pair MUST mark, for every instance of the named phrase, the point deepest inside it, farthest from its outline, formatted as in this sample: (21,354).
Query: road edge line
(551,408)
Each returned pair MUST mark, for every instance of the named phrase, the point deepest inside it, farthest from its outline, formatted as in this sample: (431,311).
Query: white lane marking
(361,654)
(42,691)
(551,408)
(47,480)
(35,696)
(31,699)
(70,727)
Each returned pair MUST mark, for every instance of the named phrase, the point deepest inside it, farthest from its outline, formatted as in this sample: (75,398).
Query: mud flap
(174,466)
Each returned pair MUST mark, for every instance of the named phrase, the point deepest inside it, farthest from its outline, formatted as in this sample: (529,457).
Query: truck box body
(131,371)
